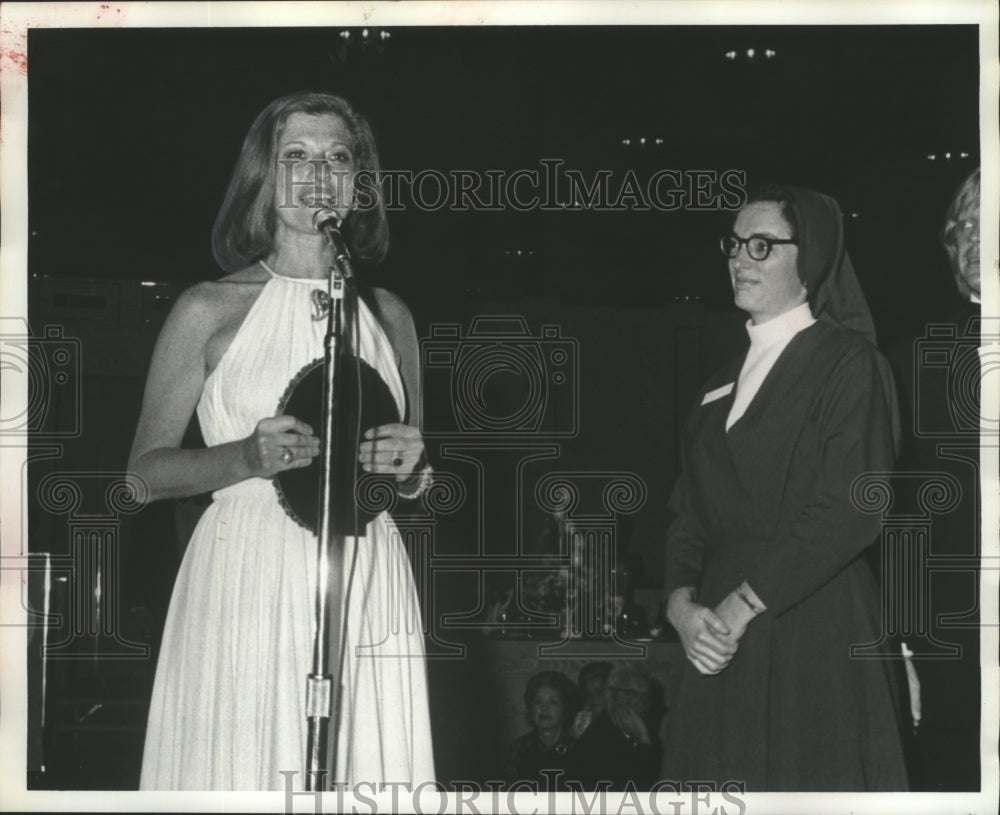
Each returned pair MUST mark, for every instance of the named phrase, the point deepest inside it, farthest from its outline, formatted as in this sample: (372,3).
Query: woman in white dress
(228,706)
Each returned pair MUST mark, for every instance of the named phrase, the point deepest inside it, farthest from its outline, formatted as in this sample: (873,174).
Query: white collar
(781,328)
(975,298)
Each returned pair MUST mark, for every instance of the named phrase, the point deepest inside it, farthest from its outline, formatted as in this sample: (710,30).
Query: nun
(766,580)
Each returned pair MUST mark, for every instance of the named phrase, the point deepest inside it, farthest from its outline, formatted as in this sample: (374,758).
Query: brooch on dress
(321,304)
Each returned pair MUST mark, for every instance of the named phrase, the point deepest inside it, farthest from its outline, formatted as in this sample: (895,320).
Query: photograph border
(18,18)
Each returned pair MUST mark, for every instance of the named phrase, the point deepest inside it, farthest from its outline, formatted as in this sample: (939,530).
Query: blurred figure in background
(621,746)
(550,703)
(591,682)
(960,237)
(939,382)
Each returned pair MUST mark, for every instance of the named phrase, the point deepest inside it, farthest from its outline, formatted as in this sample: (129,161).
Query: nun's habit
(770,501)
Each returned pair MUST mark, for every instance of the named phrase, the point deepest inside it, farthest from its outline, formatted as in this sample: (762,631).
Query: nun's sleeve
(858,427)
(685,542)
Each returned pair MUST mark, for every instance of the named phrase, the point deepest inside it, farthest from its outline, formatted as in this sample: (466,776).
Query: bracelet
(426,479)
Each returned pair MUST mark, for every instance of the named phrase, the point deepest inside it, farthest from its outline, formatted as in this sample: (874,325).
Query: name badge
(718,393)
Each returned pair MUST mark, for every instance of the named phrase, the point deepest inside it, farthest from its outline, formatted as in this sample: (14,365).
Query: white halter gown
(228,705)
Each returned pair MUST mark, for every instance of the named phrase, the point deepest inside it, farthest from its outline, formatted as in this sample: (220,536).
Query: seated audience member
(592,680)
(547,754)
(621,748)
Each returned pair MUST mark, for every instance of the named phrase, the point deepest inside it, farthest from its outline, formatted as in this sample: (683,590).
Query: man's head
(960,236)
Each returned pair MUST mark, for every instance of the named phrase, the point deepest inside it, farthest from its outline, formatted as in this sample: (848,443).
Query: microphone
(327,222)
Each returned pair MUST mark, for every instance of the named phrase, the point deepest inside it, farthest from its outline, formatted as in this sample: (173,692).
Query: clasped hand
(709,642)
(284,442)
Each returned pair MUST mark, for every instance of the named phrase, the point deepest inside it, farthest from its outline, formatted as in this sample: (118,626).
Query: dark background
(133,136)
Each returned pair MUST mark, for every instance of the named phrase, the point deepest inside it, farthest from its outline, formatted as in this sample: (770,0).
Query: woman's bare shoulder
(216,298)
(391,306)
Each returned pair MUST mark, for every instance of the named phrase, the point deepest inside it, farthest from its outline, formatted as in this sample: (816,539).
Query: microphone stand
(323,685)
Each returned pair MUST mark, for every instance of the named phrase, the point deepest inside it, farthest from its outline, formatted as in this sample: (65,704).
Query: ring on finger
(286,455)
(397,459)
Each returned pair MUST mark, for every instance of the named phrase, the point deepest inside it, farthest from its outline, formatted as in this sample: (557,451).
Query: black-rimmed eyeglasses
(758,247)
